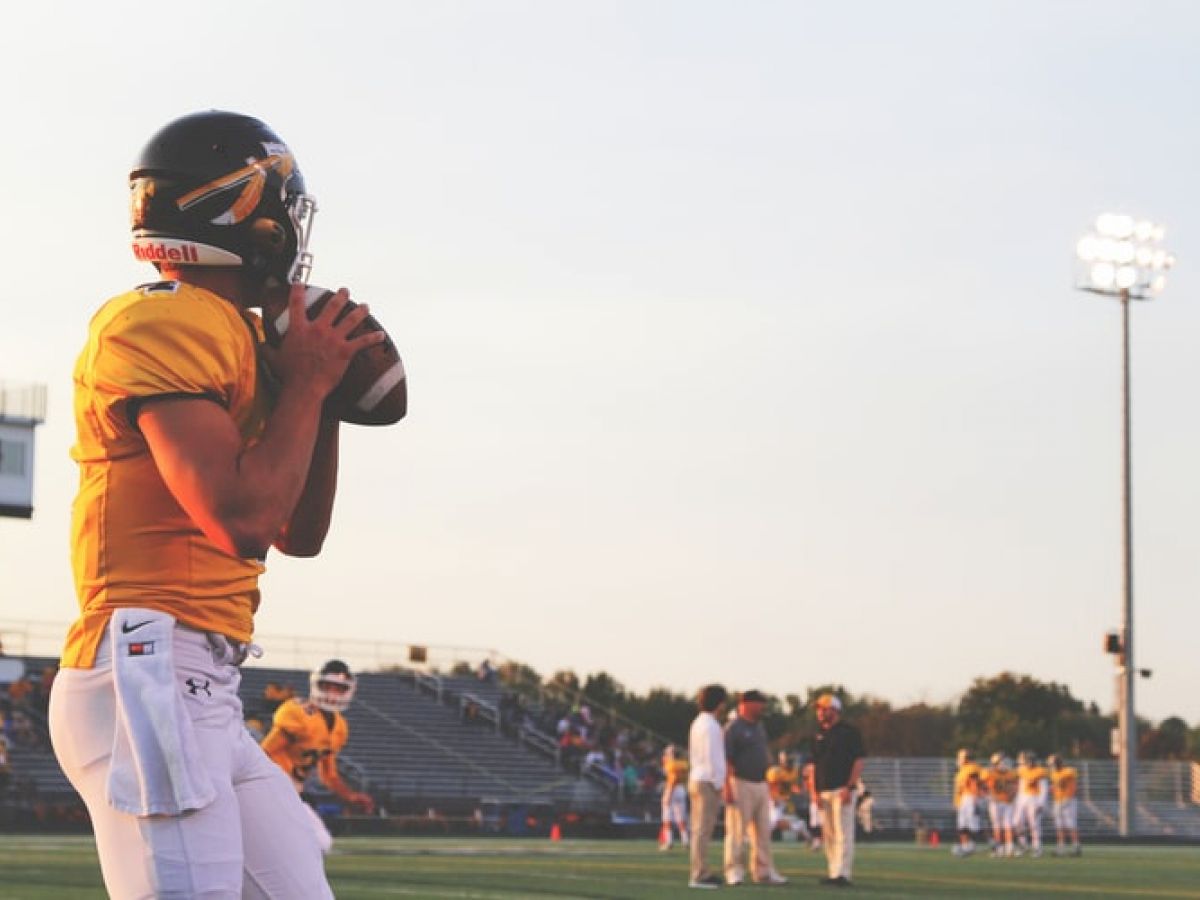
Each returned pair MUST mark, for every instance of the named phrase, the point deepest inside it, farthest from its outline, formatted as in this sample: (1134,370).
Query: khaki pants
(837,833)
(748,815)
(706,802)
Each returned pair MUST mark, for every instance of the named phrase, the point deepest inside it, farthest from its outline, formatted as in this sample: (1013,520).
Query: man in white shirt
(706,780)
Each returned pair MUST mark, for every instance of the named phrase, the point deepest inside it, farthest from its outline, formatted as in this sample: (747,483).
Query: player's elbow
(302,539)
(302,549)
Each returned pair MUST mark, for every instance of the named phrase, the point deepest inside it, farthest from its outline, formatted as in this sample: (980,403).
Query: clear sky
(741,336)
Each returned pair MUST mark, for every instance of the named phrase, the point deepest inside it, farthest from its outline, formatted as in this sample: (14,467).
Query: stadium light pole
(1122,257)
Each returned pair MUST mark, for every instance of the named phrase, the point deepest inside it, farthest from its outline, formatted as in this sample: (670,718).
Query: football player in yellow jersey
(1064,784)
(306,737)
(1031,800)
(967,787)
(1001,782)
(674,797)
(783,781)
(198,449)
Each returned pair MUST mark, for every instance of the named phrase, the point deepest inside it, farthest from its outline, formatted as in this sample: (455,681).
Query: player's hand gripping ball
(373,391)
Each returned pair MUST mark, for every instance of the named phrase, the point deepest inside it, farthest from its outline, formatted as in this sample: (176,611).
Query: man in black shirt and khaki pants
(838,756)
(747,798)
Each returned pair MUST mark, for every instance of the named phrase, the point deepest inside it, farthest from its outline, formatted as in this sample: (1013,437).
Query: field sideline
(45,867)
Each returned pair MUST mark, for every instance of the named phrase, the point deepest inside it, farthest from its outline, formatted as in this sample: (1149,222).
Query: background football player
(1064,782)
(674,797)
(967,788)
(198,449)
(783,781)
(1001,783)
(306,737)
(1031,800)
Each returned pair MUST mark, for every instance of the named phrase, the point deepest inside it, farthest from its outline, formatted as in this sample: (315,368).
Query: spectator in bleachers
(19,690)
(631,778)
(486,672)
(572,747)
(599,761)
(24,734)
(511,709)
(5,768)
(470,710)
(40,696)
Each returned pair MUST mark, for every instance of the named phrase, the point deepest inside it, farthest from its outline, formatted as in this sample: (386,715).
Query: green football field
(64,868)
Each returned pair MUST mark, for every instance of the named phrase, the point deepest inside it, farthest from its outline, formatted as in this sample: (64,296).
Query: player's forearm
(304,532)
(272,474)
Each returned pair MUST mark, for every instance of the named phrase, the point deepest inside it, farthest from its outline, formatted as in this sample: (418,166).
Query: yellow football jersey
(1031,778)
(133,545)
(676,771)
(1001,784)
(782,781)
(1064,782)
(302,740)
(966,781)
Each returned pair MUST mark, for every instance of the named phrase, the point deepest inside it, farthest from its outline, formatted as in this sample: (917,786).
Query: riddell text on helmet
(159,252)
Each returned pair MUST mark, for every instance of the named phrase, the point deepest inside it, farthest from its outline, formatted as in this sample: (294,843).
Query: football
(373,391)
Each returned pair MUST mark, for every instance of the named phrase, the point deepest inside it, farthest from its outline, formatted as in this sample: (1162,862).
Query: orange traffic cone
(555,832)
(934,839)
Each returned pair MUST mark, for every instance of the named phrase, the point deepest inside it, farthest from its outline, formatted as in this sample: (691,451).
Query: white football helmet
(331,688)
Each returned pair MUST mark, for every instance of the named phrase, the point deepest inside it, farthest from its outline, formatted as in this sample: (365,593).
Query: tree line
(1008,712)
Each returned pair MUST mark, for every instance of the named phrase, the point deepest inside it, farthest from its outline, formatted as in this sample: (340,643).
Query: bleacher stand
(464,748)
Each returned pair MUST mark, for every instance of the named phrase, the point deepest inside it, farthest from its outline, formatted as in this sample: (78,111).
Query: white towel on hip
(156,769)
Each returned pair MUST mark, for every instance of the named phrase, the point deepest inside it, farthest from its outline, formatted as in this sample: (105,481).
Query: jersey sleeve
(167,347)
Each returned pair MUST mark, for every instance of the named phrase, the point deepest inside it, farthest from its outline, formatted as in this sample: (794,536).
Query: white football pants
(254,841)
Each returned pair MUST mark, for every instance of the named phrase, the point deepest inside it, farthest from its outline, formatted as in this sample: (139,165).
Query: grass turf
(33,867)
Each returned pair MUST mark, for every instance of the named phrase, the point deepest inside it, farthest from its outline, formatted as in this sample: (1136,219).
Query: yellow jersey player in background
(783,781)
(1001,783)
(967,788)
(674,797)
(306,737)
(1031,800)
(1064,783)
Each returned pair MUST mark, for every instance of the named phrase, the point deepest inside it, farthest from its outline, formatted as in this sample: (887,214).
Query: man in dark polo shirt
(747,796)
(838,757)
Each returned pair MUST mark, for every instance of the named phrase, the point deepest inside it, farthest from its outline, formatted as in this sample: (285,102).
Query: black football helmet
(332,687)
(221,189)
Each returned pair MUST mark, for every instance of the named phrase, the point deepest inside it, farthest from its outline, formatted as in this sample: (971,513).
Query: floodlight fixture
(1123,256)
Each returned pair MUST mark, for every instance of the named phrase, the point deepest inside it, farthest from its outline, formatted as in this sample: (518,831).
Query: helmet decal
(254,179)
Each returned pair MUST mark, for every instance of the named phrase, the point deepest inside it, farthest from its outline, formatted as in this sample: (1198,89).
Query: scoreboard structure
(22,409)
